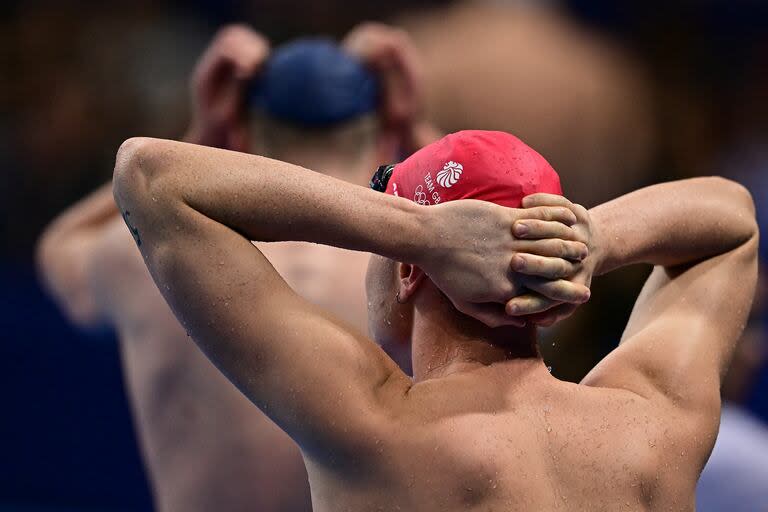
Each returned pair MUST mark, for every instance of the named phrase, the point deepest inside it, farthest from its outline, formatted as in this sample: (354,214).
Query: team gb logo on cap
(450,174)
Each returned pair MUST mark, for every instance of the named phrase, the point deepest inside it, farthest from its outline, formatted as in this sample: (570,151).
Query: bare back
(327,276)
(491,440)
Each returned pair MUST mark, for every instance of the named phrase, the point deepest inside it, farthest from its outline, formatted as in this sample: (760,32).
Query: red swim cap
(471,164)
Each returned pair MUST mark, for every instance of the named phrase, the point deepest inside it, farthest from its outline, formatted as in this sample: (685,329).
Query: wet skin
(485,427)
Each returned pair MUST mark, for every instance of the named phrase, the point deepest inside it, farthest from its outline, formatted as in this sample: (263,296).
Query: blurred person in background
(343,109)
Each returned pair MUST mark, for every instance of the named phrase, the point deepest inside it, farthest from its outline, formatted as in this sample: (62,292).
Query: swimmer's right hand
(472,253)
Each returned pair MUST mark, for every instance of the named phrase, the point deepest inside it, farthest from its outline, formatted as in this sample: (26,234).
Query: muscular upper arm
(683,331)
(320,381)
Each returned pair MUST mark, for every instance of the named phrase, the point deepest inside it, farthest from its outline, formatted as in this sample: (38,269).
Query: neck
(350,151)
(446,341)
(356,170)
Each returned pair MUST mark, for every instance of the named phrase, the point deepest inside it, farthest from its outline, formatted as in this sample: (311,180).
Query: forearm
(262,199)
(673,223)
(88,214)
(65,249)
(64,242)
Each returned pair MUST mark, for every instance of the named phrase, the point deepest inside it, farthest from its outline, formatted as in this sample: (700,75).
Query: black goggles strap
(381,177)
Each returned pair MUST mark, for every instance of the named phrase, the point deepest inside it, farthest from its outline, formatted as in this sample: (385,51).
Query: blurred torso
(205,445)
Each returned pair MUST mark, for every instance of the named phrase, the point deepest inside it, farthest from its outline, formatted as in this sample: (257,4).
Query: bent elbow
(139,167)
(738,196)
(745,205)
(131,153)
(737,200)
(130,168)
(144,186)
(741,196)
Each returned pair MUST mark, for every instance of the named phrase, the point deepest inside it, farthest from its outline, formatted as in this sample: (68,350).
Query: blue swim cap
(314,82)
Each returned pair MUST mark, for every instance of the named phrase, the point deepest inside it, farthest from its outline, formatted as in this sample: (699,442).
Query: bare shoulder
(671,440)
(659,365)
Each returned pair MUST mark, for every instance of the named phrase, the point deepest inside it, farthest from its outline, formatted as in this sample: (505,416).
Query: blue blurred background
(77,78)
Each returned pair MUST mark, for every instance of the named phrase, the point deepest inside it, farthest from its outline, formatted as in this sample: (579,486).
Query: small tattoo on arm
(134,231)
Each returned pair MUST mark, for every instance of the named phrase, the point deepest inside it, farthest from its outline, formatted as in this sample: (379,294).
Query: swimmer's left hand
(557,289)
(471,256)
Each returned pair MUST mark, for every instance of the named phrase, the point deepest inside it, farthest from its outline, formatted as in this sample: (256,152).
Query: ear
(409,279)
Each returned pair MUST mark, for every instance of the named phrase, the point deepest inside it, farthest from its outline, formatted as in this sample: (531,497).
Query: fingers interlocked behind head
(549,213)
(542,199)
(549,260)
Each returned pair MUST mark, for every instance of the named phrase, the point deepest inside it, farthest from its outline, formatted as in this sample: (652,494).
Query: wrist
(599,248)
(413,233)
